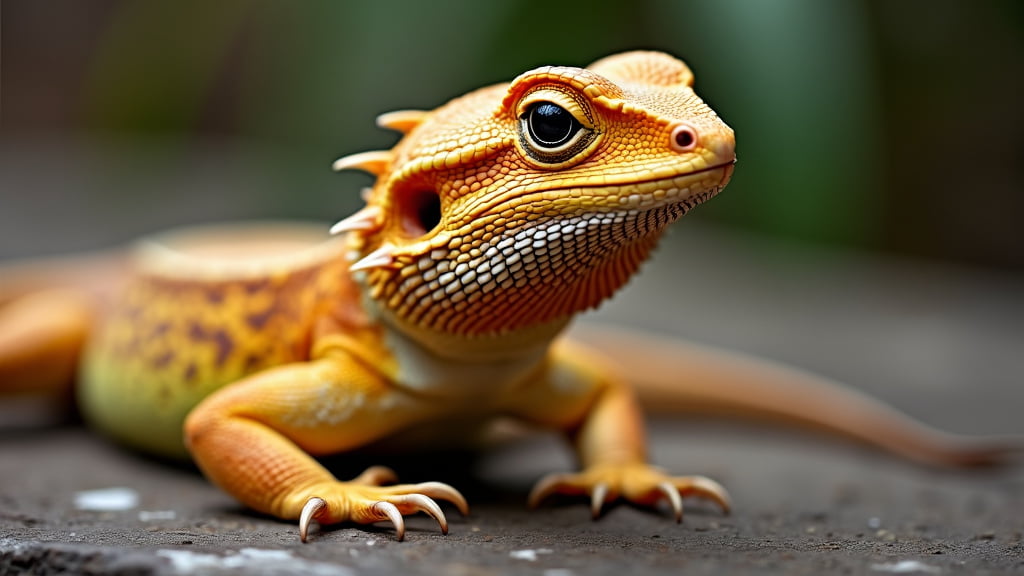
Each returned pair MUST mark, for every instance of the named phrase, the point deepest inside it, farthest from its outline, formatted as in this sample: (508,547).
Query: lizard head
(521,204)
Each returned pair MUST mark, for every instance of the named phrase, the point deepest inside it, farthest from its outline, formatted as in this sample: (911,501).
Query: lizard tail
(96,274)
(672,376)
(47,310)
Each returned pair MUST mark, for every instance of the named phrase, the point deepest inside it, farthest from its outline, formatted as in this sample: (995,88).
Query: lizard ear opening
(420,212)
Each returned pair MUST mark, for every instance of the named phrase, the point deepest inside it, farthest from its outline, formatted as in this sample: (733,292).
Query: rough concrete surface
(802,508)
(941,343)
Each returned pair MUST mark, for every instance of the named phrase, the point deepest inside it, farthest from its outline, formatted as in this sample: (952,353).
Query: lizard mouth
(684,190)
(687,189)
(602,216)
(678,193)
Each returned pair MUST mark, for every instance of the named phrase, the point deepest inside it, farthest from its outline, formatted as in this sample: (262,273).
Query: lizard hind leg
(41,339)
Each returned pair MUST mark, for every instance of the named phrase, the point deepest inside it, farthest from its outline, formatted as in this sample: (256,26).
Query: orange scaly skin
(496,219)
(479,242)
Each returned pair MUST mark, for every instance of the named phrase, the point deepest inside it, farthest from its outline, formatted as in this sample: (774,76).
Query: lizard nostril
(684,138)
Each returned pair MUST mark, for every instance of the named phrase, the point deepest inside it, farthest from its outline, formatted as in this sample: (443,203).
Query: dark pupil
(551,125)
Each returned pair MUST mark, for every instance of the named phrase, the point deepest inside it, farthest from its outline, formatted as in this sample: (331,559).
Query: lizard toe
(366,503)
(637,483)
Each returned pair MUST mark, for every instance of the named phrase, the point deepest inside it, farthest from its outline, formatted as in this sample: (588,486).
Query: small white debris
(874,522)
(249,561)
(15,546)
(107,499)
(906,567)
(185,562)
(528,555)
(151,515)
(255,554)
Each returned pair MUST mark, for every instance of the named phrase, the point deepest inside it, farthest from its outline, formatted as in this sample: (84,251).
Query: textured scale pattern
(520,243)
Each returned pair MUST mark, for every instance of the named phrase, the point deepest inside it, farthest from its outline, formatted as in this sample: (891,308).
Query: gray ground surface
(802,508)
(942,343)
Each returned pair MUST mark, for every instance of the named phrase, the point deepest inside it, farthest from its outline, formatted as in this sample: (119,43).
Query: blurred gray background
(887,126)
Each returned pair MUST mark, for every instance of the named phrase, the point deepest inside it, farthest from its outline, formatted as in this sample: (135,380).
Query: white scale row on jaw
(526,248)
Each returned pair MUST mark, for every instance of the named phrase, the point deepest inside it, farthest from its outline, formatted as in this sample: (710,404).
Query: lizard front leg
(602,415)
(255,439)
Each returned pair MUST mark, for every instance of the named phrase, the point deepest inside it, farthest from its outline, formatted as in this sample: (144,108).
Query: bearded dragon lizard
(496,218)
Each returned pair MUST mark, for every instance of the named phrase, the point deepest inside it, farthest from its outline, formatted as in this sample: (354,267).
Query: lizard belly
(203,308)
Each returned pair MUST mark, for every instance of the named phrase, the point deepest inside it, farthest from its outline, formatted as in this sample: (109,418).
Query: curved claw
(388,511)
(705,488)
(597,499)
(310,510)
(442,491)
(421,503)
(376,476)
(672,495)
(547,486)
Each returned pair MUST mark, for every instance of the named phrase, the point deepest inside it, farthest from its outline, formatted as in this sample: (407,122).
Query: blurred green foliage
(840,107)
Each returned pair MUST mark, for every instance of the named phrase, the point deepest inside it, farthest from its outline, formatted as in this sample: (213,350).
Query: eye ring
(551,135)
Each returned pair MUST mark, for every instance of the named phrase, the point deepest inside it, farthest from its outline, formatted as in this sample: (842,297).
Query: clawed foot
(364,500)
(638,483)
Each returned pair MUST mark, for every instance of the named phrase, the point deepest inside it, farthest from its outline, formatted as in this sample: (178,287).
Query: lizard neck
(457,366)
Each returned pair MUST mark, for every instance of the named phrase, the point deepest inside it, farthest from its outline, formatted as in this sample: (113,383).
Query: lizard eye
(551,135)
(550,125)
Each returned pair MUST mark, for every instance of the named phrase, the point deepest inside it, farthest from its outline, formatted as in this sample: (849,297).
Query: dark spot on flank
(253,362)
(190,373)
(159,330)
(197,332)
(162,360)
(255,287)
(258,320)
(219,338)
(224,346)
